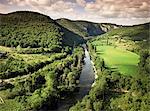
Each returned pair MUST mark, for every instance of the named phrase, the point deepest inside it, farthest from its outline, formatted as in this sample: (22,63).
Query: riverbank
(95,73)
(87,78)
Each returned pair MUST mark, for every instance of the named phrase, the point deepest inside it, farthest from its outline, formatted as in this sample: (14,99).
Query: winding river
(87,76)
(86,80)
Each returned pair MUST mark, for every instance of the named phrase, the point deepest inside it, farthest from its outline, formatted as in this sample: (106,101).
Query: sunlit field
(125,62)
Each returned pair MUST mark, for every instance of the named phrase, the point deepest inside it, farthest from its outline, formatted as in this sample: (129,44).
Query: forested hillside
(85,28)
(40,61)
(31,29)
(123,79)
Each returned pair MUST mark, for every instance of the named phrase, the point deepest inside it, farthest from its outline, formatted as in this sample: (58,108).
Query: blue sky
(122,12)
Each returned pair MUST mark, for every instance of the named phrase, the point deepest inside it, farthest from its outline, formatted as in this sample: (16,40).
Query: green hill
(85,28)
(31,29)
(122,44)
(37,63)
(131,38)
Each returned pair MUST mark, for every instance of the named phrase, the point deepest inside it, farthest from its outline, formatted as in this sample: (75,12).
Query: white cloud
(3,8)
(115,11)
(61,6)
(119,8)
(81,2)
(41,2)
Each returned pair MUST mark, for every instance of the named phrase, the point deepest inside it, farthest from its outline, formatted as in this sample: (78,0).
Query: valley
(48,65)
(121,58)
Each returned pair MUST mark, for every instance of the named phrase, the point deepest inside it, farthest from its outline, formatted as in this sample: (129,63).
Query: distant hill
(134,33)
(132,38)
(32,29)
(85,28)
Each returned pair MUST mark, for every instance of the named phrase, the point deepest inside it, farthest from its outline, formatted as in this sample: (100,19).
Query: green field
(124,61)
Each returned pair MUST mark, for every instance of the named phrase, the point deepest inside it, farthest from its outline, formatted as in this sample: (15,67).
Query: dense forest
(40,61)
(45,83)
(31,29)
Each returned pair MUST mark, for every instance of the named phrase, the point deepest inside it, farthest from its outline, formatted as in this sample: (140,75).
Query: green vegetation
(15,66)
(34,34)
(115,48)
(31,29)
(72,27)
(114,91)
(135,33)
(43,79)
(85,28)
(40,61)
(129,38)
(120,60)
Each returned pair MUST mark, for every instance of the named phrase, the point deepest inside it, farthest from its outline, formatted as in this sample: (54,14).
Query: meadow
(124,61)
(120,49)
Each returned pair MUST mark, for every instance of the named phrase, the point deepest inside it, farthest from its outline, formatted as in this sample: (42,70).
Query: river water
(86,80)
(87,76)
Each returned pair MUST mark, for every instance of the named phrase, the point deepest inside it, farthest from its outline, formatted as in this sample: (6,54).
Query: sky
(121,12)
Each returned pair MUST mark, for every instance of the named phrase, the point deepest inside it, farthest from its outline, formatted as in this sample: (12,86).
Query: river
(86,80)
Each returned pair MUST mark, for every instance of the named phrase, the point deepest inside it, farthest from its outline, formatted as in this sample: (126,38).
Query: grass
(11,105)
(124,61)
(25,58)
(5,49)
(115,48)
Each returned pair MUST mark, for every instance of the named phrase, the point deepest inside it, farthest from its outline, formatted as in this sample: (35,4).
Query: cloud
(61,6)
(42,2)
(3,8)
(120,8)
(81,2)
(93,10)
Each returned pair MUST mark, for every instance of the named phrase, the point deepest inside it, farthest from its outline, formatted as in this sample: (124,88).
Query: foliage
(120,60)
(13,67)
(31,29)
(85,28)
(47,80)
